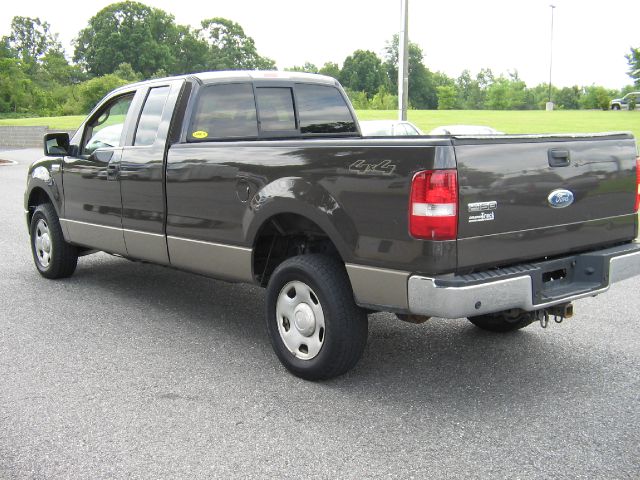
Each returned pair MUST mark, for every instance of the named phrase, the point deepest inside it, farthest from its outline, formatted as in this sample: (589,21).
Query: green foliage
(191,53)
(92,91)
(127,32)
(359,100)
(306,68)
(362,71)
(447,97)
(330,69)
(30,40)
(568,98)
(472,92)
(633,58)
(125,72)
(596,97)
(129,41)
(422,86)
(230,48)
(15,86)
(383,100)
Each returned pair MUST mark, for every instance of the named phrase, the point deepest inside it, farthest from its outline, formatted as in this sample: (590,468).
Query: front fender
(299,196)
(44,182)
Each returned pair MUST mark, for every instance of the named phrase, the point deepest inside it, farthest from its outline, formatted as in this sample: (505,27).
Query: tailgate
(529,197)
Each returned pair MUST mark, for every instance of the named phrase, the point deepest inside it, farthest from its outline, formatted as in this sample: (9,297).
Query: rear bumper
(528,287)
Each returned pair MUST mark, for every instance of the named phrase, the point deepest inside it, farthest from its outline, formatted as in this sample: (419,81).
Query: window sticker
(200,134)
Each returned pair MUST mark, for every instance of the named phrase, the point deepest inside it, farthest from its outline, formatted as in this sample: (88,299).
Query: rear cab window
(248,111)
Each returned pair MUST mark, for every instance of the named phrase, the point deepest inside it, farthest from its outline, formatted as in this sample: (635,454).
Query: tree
(191,53)
(31,39)
(308,67)
(507,93)
(15,86)
(230,48)
(422,88)
(330,69)
(92,91)
(596,97)
(568,98)
(633,57)
(447,97)
(127,32)
(362,71)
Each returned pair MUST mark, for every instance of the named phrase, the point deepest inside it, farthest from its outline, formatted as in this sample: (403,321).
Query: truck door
(142,174)
(93,207)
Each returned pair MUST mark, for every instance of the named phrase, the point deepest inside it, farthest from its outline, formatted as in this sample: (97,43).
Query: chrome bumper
(455,297)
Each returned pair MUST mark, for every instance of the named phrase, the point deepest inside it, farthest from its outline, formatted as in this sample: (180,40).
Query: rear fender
(299,196)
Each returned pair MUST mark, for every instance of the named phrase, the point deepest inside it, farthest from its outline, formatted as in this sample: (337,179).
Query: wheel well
(37,197)
(284,236)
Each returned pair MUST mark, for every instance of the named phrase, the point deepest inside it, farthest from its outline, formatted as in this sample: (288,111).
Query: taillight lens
(433,209)
(637,183)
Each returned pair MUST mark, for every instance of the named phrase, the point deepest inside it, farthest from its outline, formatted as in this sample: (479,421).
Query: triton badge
(560,198)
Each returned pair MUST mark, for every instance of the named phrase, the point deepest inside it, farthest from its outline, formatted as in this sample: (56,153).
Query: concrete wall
(11,136)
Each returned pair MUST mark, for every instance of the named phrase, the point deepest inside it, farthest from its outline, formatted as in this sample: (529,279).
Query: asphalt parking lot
(129,370)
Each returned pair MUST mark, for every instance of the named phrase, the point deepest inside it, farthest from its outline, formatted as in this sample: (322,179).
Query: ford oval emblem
(560,198)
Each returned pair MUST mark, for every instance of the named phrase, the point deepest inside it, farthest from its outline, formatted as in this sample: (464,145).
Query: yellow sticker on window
(200,134)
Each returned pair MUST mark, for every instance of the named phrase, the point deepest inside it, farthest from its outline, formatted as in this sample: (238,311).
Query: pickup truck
(264,177)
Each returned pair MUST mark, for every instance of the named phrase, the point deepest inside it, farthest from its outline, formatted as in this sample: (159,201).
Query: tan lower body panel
(379,286)
(218,260)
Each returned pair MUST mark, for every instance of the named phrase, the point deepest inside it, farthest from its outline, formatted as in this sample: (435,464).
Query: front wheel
(53,257)
(316,329)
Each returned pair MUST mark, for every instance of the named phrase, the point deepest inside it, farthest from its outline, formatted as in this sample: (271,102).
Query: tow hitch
(558,312)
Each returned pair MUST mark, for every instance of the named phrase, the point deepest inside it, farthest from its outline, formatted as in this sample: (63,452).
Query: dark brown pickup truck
(264,177)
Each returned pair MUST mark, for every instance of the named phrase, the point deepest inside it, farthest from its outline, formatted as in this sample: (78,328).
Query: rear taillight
(637,183)
(433,208)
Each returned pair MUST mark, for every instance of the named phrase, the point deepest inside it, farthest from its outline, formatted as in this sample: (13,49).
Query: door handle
(113,169)
(558,157)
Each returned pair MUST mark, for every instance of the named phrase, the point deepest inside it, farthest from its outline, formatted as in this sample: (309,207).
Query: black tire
(61,258)
(501,322)
(615,107)
(340,327)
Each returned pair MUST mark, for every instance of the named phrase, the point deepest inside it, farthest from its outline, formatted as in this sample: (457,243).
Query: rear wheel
(53,257)
(502,322)
(316,329)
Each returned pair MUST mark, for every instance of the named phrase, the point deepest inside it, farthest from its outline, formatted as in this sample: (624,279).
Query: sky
(589,44)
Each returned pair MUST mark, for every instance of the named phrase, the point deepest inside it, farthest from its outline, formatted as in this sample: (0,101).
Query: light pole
(403,61)
(550,103)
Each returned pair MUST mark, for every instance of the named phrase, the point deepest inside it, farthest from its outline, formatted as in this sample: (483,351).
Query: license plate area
(568,276)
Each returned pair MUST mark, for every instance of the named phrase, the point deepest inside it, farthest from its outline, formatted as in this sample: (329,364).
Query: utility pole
(550,103)
(403,61)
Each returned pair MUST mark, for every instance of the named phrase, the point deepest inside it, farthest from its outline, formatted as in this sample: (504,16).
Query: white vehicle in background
(388,128)
(465,130)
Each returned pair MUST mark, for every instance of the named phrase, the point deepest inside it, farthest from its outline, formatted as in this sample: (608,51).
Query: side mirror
(56,144)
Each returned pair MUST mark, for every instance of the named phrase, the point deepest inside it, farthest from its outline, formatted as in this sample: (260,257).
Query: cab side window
(105,128)
(151,116)
(224,111)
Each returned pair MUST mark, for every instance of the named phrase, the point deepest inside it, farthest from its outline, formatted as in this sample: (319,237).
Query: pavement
(129,370)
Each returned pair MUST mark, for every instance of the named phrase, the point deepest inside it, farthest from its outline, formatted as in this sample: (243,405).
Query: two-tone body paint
(201,206)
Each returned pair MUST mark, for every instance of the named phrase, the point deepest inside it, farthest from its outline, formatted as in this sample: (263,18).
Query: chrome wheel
(42,243)
(300,320)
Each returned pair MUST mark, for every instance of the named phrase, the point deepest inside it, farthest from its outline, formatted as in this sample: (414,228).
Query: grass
(532,121)
(58,123)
